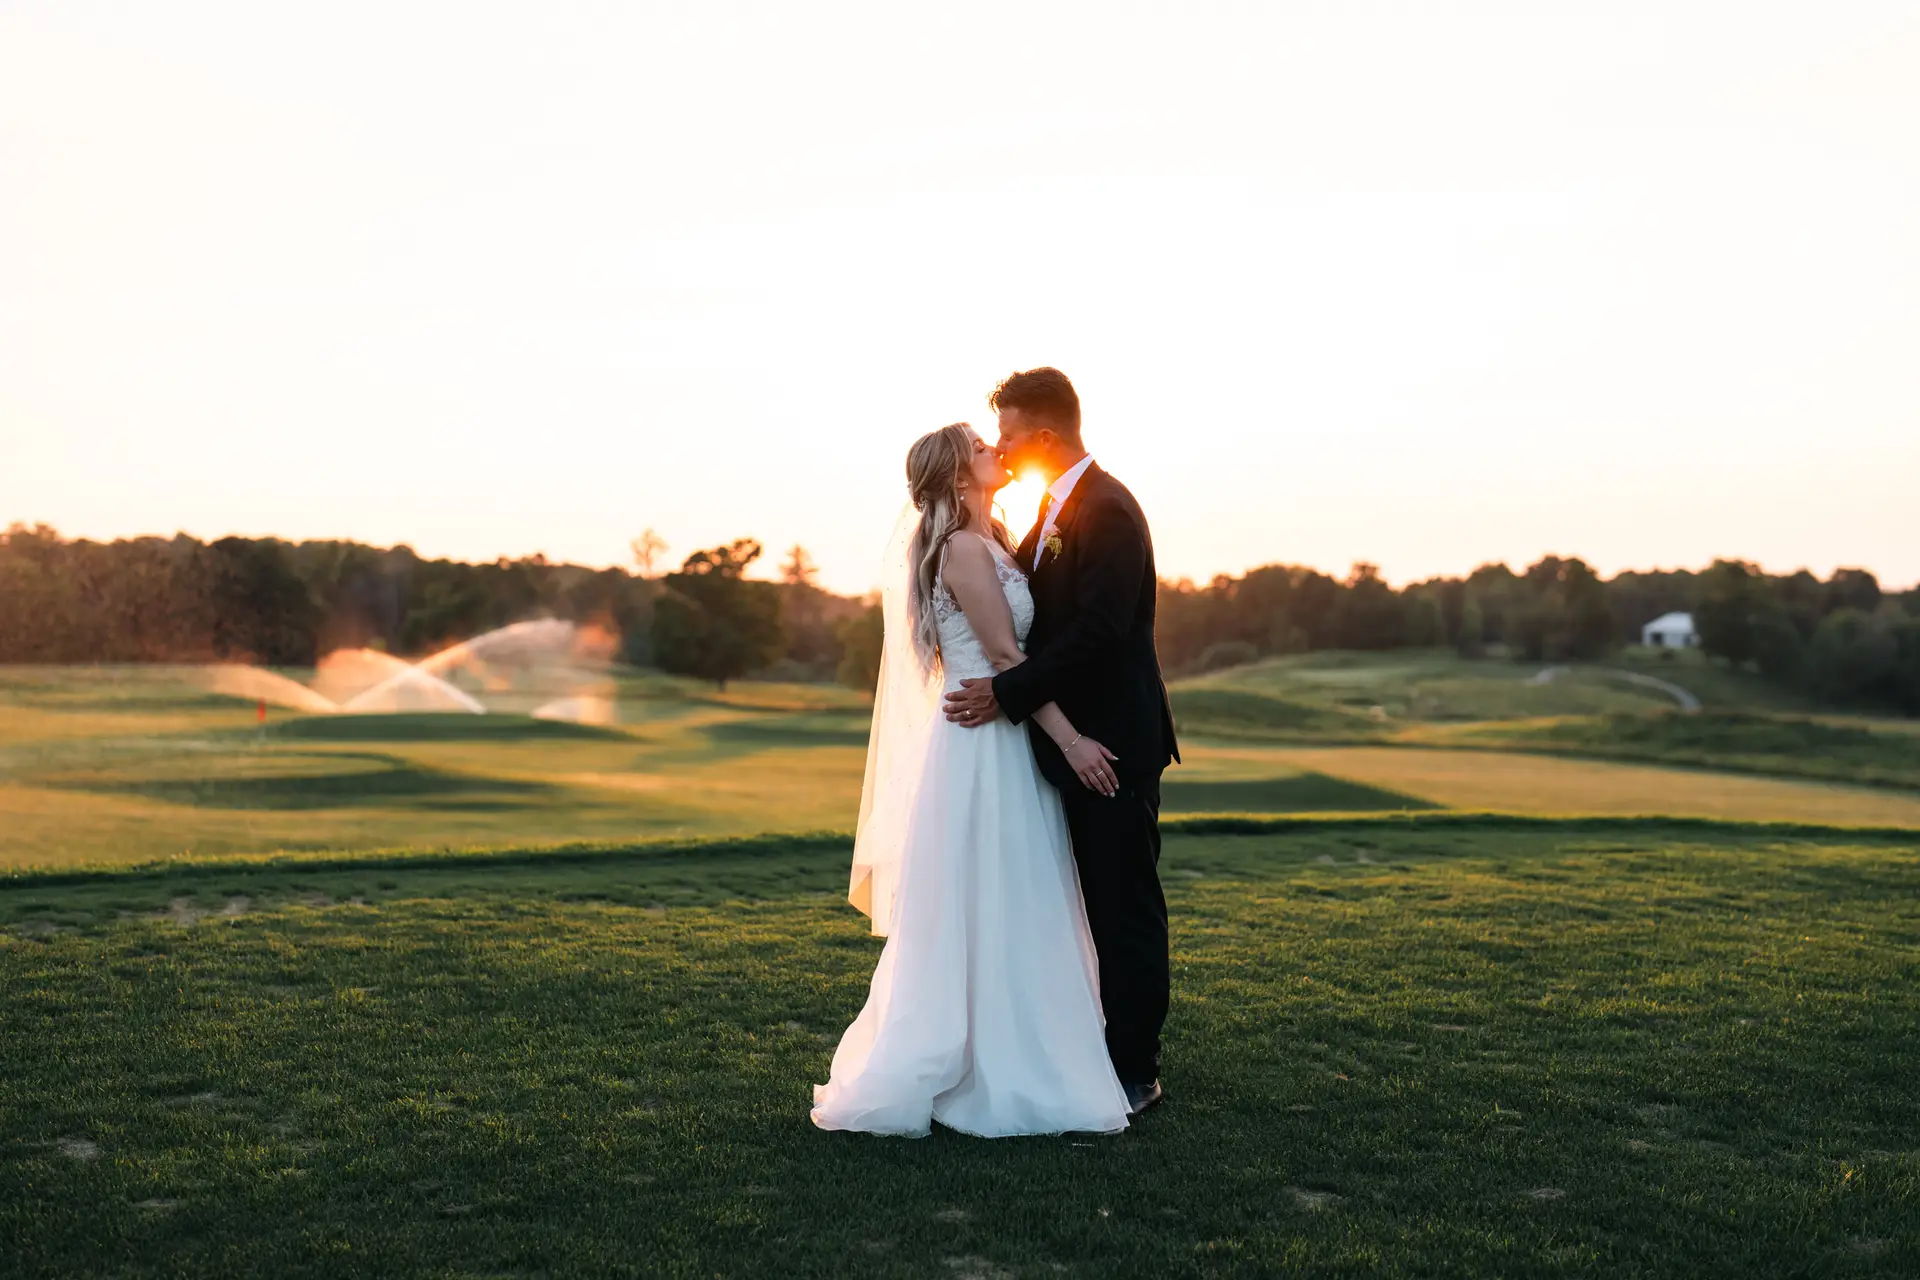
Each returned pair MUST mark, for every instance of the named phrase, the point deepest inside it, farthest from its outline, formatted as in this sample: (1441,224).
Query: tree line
(279,603)
(284,604)
(1843,640)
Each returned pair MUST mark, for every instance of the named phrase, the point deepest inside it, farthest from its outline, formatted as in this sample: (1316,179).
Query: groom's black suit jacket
(1091,646)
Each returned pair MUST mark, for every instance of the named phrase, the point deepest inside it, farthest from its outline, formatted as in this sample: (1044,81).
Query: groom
(1090,562)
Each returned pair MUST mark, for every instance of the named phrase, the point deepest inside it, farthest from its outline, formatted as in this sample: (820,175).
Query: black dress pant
(1116,844)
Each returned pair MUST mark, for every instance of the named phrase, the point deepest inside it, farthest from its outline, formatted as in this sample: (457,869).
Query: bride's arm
(974,580)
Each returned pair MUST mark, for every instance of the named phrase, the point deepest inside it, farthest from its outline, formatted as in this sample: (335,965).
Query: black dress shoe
(1143,1097)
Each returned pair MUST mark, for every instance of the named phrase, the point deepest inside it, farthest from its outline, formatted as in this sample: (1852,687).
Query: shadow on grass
(1300,793)
(389,780)
(105,700)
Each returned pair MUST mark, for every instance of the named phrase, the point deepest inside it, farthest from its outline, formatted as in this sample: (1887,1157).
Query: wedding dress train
(984,1012)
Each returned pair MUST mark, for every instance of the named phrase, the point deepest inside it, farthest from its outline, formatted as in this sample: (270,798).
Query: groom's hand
(972,703)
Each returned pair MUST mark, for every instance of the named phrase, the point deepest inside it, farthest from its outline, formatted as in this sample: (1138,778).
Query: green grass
(1337,695)
(1482,780)
(1368,695)
(1249,713)
(125,764)
(1407,1046)
(129,764)
(1774,745)
(1718,686)
(1438,700)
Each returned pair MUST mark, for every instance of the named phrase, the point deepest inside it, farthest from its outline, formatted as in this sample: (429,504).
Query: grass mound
(1413,687)
(1733,740)
(1410,1046)
(1249,713)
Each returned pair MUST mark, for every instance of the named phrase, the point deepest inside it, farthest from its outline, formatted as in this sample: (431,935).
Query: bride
(984,1013)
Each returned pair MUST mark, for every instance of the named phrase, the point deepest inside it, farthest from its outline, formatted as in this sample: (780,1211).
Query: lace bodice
(961,654)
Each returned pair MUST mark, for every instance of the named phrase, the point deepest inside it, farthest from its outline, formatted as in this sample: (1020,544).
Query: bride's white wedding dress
(984,1013)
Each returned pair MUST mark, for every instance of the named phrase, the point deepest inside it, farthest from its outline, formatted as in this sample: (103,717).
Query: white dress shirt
(1057,494)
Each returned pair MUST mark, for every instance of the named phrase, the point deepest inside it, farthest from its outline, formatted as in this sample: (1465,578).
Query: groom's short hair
(1044,392)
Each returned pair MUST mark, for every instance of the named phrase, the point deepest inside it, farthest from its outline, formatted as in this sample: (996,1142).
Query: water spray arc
(547,667)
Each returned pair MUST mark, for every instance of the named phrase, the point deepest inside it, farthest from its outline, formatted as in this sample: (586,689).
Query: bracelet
(1071,745)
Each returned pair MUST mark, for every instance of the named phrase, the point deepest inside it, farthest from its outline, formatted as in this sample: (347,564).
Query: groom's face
(1024,442)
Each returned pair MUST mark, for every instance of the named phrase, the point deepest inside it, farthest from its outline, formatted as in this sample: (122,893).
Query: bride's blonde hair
(939,465)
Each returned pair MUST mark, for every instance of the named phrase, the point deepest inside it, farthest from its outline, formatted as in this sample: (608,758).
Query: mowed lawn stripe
(1514,783)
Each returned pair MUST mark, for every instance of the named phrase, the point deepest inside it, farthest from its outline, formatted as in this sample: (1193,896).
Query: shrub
(861,638)
(1852,657)
(1227,653)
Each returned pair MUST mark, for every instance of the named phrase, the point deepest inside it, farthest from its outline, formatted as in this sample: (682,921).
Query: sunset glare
(1019,505)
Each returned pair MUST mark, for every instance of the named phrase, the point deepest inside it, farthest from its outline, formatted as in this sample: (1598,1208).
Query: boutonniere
(1053,544)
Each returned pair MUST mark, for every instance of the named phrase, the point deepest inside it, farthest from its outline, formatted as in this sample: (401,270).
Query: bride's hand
(1093,764)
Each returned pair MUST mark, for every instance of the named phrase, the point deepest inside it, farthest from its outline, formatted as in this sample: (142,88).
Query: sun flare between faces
(1019,504)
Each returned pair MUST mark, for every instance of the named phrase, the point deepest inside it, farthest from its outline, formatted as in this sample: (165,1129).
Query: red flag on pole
(260,712)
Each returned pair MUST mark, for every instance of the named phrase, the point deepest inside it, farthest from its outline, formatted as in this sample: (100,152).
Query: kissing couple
(1014,875)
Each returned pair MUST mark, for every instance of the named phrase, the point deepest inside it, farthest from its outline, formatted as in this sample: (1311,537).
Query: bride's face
(988,475)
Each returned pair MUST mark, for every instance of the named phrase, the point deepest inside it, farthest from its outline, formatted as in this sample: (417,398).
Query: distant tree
(364,593)
(1779,650)
(1558,611)
(861,637)
(258,604)
(711,622)
(647,550)
(1472,639)
(813,617)
(1853,658)
(1283,636)
(1904,676)
(1451,595)
(1528,622)
(1729,601)
(798,568)
(1178,624)
(35,605)
(1258,609)
(1582,617)
(1370,615)
(1804,599)
(448,603)
(1853,589)
(1426,622)
(1315,606)
(1497,589)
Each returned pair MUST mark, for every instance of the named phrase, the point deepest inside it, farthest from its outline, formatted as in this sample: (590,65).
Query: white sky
(1423,284)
